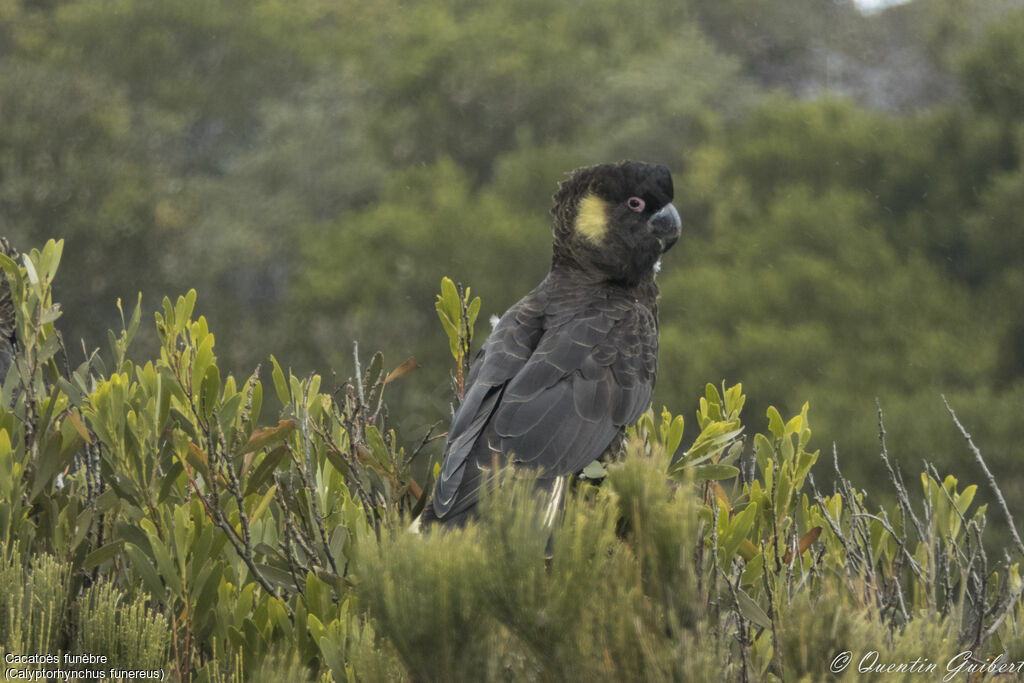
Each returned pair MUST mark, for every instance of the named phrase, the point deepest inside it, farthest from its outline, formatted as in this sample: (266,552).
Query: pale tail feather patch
(557,492)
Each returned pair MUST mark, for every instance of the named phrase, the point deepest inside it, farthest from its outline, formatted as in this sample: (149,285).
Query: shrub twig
(991,479)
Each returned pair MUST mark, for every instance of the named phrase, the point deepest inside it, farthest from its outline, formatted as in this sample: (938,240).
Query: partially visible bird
(7,314)
(574,361)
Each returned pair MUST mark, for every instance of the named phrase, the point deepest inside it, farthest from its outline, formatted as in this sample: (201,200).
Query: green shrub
(126,633)
(160,525)
(32,603)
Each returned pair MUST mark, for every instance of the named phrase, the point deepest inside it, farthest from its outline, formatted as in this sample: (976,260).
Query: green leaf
(202,361)
(141,564)
(804,462)
(471,314)
(753,569)
(202,541)
(751,611)
(13,273)
(712,440)
(715,472)
(74,394)
(376,443)
(595,470)
(30,271)
(261,438)
(243,606)
(318,597)
(163,559)
(257,402)
(167,319)
(671,431)
(747,550)
(133,322)
(775,424)
(267,497)
(51,255)
(763,452)
(181,530)
(734,400)
(106,500)
(184,423)
(280,385)
(374,371)
(101,555)
(254,640)
(278,577)
(198,460)
(228,411)
(316,627)
(50,462)
(963,500)
(82,525)
(48,348)
(786,450)
(795,425)
(711,394)
(132,533)
(738,528)
(183,309)
(206,591)
(50,314)
(271,461)
(210,389)
(337,460)
(337,544)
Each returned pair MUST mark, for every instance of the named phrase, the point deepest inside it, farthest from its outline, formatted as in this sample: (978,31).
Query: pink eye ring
(636,204)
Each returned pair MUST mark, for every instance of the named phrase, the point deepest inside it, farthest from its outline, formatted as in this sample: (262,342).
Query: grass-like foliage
(149,513)
(126,633)
(33,602)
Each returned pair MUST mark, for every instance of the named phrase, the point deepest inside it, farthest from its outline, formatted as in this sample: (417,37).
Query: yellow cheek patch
(592,218)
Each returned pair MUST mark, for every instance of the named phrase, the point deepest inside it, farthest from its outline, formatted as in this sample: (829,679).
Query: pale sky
(875,5)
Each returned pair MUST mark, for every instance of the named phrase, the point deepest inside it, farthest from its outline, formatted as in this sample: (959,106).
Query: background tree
(850,184)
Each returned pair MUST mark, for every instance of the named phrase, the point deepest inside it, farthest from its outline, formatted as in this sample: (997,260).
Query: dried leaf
(268,435)
(402,370)
(721,495)
(80,426)
(808,539)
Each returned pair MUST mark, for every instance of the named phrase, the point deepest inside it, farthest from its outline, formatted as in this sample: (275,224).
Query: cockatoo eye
(636,204)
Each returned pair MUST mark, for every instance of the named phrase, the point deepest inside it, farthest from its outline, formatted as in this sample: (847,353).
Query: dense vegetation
(851,185)
(147,518)
(852,190)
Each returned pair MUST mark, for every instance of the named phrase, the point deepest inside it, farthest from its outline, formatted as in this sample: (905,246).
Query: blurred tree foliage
(852,185)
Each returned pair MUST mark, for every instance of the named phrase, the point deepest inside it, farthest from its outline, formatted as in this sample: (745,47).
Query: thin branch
(359,373)
(1010,604)
(307,471)
(991,479)
(896,477)
(899,541)
(776,661)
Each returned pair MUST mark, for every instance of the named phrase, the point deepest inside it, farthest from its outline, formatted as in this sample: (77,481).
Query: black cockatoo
(574,361)
(7,314)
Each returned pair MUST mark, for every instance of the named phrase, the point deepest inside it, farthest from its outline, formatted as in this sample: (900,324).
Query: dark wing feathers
(589,376)
(563,371)
(591,397)
(479,403)
(500,359)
